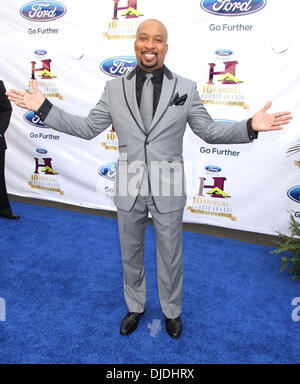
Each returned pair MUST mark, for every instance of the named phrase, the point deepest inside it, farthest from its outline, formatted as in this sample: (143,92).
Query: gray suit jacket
(160,150)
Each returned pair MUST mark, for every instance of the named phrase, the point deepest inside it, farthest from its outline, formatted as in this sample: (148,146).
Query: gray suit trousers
(168,228)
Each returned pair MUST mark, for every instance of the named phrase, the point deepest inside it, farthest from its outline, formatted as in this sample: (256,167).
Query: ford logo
(118,66)
(43,10)
(213,168)
(223,52)
(40,52)
(294,194)
(232,7)
(41,151)
(108,171)
(31,118)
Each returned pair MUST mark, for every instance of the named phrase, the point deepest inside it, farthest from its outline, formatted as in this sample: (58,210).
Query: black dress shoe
(174,327)
(12,216)
(130,323)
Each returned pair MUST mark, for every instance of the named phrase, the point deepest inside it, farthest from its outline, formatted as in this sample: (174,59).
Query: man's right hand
(30,101)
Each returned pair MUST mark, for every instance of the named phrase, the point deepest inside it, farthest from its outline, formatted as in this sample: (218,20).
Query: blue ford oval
(41,151)
(42,11)
(108,171)
(223,52)
(40,52)
(232,7)
(118,66)
(31,118)
(294,194)
(213,168)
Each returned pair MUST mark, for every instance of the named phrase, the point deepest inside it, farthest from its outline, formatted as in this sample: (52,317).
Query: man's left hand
(263,121)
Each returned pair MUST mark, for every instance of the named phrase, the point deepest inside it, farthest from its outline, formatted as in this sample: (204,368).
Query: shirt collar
(157,74)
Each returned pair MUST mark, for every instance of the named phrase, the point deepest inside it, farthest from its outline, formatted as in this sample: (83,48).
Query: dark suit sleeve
(44,110)
(252,134)
(5,109)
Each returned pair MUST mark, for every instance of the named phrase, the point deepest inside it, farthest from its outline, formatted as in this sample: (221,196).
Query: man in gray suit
(149,110)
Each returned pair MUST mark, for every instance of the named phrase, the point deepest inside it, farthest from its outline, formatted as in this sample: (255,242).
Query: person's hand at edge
(30,101)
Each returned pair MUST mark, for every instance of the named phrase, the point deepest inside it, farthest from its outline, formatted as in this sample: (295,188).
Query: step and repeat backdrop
(241,54)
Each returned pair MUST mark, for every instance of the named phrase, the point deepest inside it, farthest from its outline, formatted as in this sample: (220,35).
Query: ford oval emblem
(213,168)
(41,151)
(40,52)
(294,194)
(31,118)
(232,7)
(43,10)
(108,171)
(118,66)
(223,52)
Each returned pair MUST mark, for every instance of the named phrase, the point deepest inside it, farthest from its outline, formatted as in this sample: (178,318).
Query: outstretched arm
(97,121)
(235,133)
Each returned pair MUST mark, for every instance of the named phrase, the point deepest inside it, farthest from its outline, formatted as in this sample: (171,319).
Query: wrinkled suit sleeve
(98,119)
(214,132)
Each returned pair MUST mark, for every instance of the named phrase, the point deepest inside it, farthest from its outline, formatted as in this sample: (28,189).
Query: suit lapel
(167,92)
(129,89)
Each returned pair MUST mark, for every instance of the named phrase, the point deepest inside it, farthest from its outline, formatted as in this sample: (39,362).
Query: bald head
(151,44)
(153,21)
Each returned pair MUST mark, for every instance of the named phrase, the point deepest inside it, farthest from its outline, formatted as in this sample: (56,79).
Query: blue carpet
(61,278)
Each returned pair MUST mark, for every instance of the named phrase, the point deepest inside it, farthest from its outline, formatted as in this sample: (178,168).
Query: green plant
(290,244)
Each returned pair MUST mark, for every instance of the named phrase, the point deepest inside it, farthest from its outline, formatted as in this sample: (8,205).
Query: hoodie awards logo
(45,77)
(211,199)
(44,176)
(111,142)
(224,86)
(125,20)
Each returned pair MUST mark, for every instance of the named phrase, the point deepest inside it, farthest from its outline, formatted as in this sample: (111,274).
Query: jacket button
(147,142)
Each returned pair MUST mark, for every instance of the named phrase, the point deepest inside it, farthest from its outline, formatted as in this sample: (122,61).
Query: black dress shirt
(157,80)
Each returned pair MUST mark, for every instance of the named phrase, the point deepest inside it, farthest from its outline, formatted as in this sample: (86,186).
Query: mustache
(154,53)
